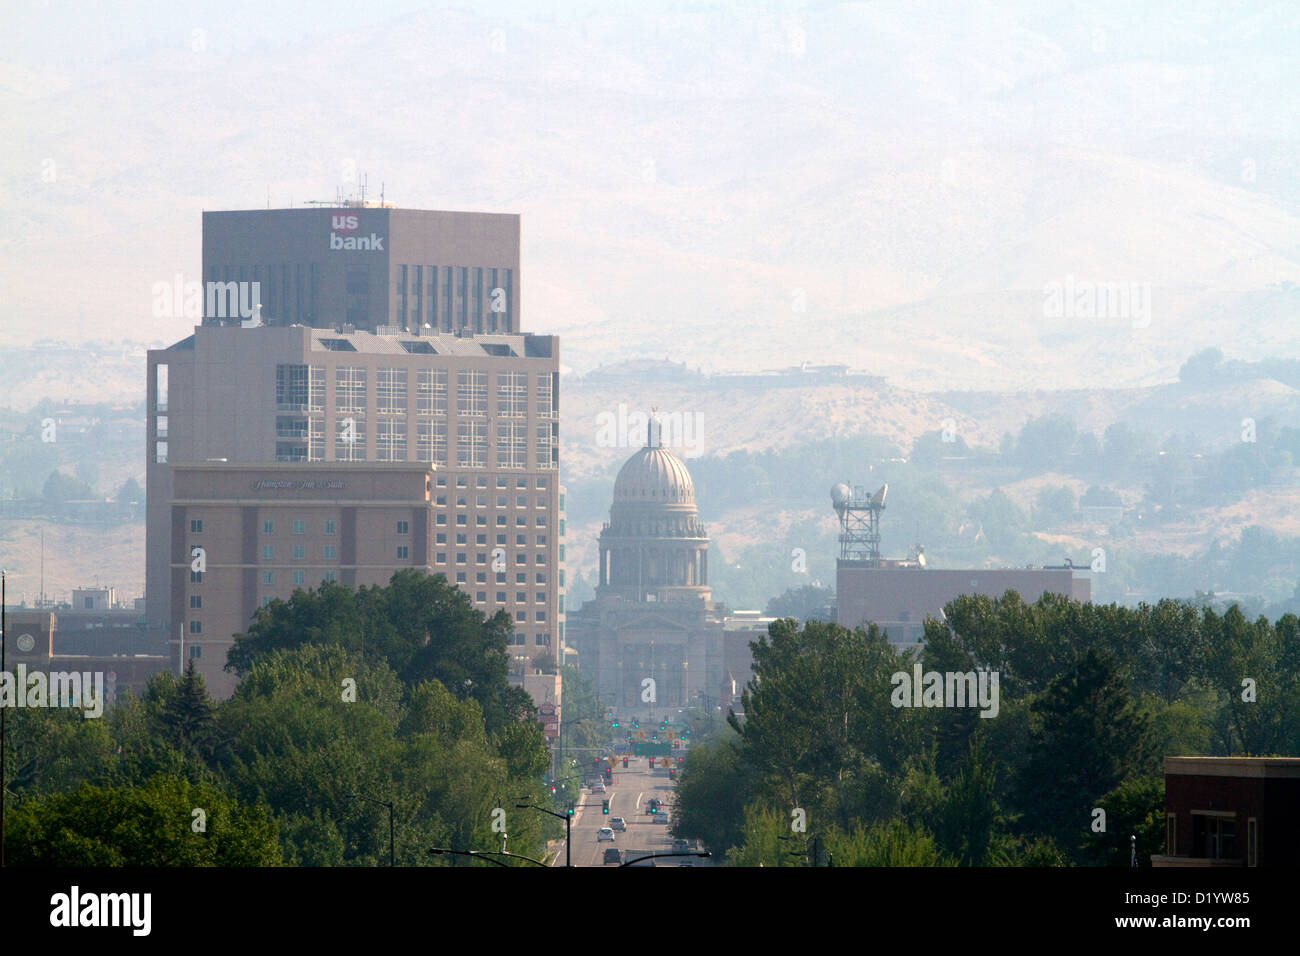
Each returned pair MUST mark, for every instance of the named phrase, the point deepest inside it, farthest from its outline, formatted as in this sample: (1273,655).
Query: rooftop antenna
(859,513)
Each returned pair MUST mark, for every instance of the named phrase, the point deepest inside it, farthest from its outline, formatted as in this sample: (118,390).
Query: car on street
(612,855)
(681,846)
(617,823)
(597,787)
(605,833)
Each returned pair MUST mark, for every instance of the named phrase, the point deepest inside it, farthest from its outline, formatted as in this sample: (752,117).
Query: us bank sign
(341,227)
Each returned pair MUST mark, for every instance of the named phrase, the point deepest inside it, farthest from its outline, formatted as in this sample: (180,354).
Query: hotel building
(291,453)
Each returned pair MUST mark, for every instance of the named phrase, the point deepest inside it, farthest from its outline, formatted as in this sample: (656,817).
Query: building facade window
(350,438)
(390,440)
(291,388)
(512,445)
(431,442)
(545,409)
(196,526)
(471,444)
(350,389)
(390,391)
(471,393)
(431,391)
(512,394)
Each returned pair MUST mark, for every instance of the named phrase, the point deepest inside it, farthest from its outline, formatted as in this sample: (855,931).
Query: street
(628,795)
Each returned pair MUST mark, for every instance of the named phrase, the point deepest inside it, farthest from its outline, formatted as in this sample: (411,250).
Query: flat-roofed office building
(366,265)
(245,422)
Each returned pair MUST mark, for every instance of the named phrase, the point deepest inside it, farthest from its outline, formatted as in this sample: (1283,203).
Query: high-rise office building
(291,454)
(372,268)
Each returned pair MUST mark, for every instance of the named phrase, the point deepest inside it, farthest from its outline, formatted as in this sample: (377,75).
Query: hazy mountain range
(901,188)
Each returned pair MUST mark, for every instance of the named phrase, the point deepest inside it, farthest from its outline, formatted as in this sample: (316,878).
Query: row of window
(299,579)
(518,639)
(302,388)
(481,501)
(431,442)
(452,297)
(521,540)
(440,557)
(329,526)
(480,481)
(480,521)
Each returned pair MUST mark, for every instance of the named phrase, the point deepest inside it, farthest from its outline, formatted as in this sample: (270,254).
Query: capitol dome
(654,547)
(654,475)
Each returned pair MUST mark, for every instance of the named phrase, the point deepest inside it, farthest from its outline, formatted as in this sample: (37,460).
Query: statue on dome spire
(654,429)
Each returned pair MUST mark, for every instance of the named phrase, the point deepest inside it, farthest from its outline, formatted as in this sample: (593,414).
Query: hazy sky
(907,188)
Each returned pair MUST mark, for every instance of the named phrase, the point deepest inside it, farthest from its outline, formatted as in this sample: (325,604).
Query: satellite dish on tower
(878,499)
(840,496)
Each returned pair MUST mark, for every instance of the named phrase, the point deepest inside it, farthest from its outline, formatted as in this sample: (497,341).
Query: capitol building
(653,618)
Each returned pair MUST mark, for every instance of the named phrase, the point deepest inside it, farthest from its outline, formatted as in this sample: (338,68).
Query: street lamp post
(392,858)
(568,829)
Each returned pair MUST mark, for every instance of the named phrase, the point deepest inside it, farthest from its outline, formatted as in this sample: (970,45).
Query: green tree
(1090,739)
(59,488)
(1053,505)
(168,822)
(1135,808)
(802,603)
(189,715)
(130,492)
(885,844)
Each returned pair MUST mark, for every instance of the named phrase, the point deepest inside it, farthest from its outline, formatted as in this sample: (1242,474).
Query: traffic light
(672,773)
(652,763)
(604,806)
(570,809)
(680,759)
(624,761)
(616,723)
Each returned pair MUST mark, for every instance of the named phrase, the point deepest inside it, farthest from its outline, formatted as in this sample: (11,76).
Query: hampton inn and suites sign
(308,484)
